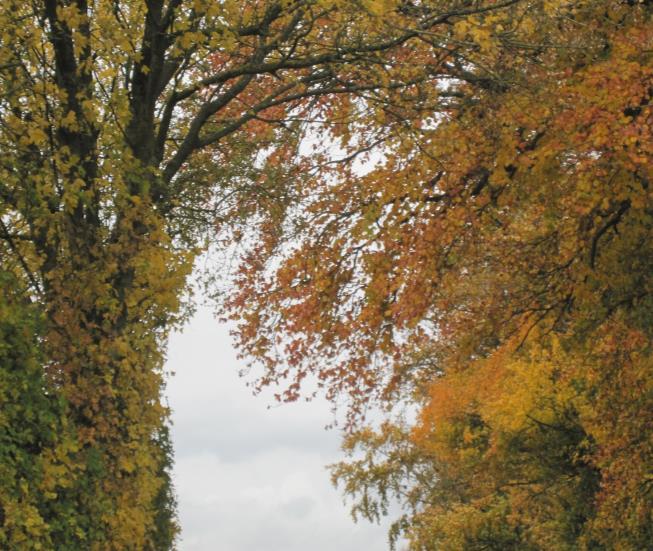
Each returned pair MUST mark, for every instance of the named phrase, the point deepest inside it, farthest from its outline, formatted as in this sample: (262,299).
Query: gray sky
(249,478)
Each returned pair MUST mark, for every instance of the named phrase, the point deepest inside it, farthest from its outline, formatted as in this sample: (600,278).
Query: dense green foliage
(32,431)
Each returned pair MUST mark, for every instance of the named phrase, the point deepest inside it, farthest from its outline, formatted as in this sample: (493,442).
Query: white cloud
(250,478)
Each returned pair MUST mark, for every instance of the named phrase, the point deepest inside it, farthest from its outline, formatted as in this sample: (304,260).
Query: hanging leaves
(491,267)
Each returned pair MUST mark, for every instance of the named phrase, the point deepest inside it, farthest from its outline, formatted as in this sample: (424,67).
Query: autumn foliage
(438,208)
(490,266)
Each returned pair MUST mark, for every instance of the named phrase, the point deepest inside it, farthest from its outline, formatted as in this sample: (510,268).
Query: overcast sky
(249,478)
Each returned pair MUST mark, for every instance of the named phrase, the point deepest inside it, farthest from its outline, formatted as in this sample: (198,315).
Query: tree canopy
(438,204)
(492,268)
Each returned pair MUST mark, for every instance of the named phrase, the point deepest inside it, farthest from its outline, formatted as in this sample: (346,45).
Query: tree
(125,128)
(494,270)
